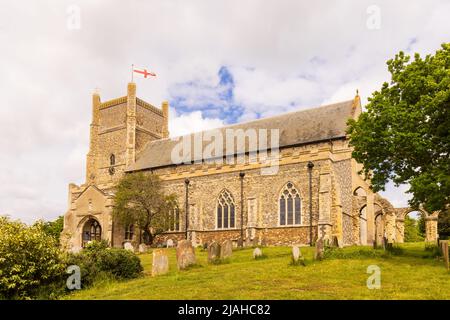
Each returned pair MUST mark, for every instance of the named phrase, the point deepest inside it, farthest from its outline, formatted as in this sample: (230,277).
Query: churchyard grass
(409,275)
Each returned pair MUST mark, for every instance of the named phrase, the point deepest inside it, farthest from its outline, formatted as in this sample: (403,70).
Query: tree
(54,228)
(412,230)
(404,135)
(444,225)
(30,261)
(139,200)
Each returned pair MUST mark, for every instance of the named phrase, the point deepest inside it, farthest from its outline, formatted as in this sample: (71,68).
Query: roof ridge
(256,120)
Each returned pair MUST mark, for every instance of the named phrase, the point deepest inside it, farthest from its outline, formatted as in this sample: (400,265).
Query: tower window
(112,159)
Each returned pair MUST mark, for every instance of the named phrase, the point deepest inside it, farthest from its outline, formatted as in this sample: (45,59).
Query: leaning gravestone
(169,243)
(213,252)
(318,255)
(185,254)
(143,248)
(226,249)
(257,253)
(160,264)
(128,246)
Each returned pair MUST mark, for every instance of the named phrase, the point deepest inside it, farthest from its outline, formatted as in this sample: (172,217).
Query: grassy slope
(409,276)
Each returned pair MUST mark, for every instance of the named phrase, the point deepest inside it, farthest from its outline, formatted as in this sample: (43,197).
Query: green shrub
(98,262)
(30,262)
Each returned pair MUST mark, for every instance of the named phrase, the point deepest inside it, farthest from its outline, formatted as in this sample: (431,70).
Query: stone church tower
(119,131)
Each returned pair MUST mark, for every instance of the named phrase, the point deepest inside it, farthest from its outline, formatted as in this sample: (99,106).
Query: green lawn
(406,276)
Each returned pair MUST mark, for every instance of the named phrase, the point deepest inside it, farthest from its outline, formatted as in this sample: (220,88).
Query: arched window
(174,220)
(112,159)
(290,206)
(225,210)
(91,231)
(129,232)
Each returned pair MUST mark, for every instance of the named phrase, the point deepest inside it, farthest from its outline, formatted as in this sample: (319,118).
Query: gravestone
(128,246)
(143,248)
(169,243)
(297,257)
(257,253)
(318,254)
(444,248)
(335,242)
(226,249)
(213,252)
(185,254)
(160,264)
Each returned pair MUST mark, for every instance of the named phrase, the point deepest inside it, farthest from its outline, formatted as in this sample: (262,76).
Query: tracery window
(290,206)
(225,210)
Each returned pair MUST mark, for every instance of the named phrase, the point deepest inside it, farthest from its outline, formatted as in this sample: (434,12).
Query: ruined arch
(431,219)
(360,192)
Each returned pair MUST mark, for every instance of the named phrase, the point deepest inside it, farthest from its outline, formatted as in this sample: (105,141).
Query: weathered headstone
(226,249)
(143,248)
(335,242)
(444,247)
(318,254)
(257,253)
(185,254)
(128,246)
(169,243)
(213,252)
(297,257)
(160,264)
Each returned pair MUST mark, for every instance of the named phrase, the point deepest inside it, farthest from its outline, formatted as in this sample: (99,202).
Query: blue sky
(218,62)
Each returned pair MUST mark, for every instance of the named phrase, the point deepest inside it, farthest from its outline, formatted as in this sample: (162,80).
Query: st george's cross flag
(144,72)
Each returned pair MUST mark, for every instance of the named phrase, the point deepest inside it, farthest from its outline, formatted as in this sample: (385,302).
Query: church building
(313,191)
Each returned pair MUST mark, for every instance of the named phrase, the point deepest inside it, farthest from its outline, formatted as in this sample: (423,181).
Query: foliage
(30,261)
(412,230)
(444,225)
(405,134)
(54,228)
(97,262)
(139,200)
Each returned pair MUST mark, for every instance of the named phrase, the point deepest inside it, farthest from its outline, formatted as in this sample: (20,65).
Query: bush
(98,262)
(30,262)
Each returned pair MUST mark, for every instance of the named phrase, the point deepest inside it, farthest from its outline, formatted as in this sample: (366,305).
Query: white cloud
(186,123)
(282,55)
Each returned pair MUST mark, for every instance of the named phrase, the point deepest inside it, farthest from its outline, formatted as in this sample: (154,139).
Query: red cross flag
(144,72)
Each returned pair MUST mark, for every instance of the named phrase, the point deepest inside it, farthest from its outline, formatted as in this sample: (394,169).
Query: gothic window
(225,211)
(96,231)
(112,162)
(129,232)
(174,220)
(91,231)
(112,159)
(290,206)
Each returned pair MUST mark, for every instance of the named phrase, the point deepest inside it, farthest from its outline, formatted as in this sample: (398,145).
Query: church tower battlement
(120,129)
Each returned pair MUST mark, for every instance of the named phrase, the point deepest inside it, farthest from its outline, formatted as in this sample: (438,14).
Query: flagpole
(132,72)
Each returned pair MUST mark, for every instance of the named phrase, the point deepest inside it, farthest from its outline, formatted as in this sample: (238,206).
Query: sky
(217,62)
